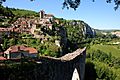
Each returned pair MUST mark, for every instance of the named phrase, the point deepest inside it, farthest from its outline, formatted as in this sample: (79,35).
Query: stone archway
(75,75)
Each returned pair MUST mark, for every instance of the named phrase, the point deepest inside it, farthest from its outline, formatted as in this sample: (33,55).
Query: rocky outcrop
(88,31)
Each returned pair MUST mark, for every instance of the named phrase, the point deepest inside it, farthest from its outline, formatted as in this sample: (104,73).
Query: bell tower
(42,14)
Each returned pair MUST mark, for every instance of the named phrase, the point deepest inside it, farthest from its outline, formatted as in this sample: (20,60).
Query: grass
(113,49)
(24,12)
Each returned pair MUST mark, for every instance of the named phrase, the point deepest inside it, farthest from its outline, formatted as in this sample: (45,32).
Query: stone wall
(49,68)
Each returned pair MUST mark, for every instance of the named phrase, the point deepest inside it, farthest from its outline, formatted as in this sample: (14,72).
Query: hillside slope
(114,50)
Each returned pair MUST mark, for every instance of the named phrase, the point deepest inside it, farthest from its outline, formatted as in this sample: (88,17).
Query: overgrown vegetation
(103,58)
(105,66)
(103,55)
(23,13)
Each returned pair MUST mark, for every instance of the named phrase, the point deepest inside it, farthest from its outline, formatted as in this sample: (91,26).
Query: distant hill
(5,11)
(12,12)
(113,49)
(107,31)
(22,12)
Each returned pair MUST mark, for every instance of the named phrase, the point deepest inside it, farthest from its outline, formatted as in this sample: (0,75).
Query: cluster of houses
(29,26)
(117,33)
(18,52)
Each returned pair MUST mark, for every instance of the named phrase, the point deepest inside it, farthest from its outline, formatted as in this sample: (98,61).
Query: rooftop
(17,48)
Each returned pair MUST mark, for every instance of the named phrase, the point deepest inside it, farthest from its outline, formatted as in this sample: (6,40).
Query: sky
(98,14)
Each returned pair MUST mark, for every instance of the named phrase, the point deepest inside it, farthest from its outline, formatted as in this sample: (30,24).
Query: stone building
(45,16)
(42,14)
(17,52)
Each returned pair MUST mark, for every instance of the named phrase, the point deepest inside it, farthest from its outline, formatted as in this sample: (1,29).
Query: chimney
(18,48)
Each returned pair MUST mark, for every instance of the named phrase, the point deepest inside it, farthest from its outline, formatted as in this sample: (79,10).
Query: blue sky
(98,14)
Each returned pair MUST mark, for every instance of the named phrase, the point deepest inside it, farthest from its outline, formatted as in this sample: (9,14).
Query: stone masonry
(68,67)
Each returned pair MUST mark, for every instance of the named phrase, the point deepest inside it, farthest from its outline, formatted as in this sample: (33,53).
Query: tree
(75,3)
(5,41)
(6,12)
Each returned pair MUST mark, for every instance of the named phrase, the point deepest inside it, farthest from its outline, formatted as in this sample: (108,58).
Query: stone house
(17,52)
(6,31)
(32,52)
(45,16)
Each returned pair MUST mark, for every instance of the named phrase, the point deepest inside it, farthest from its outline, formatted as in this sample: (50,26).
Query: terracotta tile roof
(48,15)
(31,50)
(2,58)
(5,29)
(23,48)
(16,48)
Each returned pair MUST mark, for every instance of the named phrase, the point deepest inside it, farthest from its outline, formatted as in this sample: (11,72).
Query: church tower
(42,14)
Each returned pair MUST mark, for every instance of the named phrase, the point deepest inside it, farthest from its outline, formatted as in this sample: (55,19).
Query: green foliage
(106,66)
(19,71)
(50,49)
(77,34)
(100,70)
(90,72)
(5,42)
(104,71)
(106,49)
(6,12)
(23,13)
(10,15)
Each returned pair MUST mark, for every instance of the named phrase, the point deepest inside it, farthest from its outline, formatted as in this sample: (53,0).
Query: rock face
(88,31)
(49,68)
(74,31)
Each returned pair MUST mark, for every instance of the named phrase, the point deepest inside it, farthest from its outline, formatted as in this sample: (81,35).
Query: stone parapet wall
(62,68)
(48,68)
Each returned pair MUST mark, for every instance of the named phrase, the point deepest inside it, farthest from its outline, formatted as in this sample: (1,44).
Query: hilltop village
(31,26)
(35,27)
(29,38)
(46,28)
(30,41)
